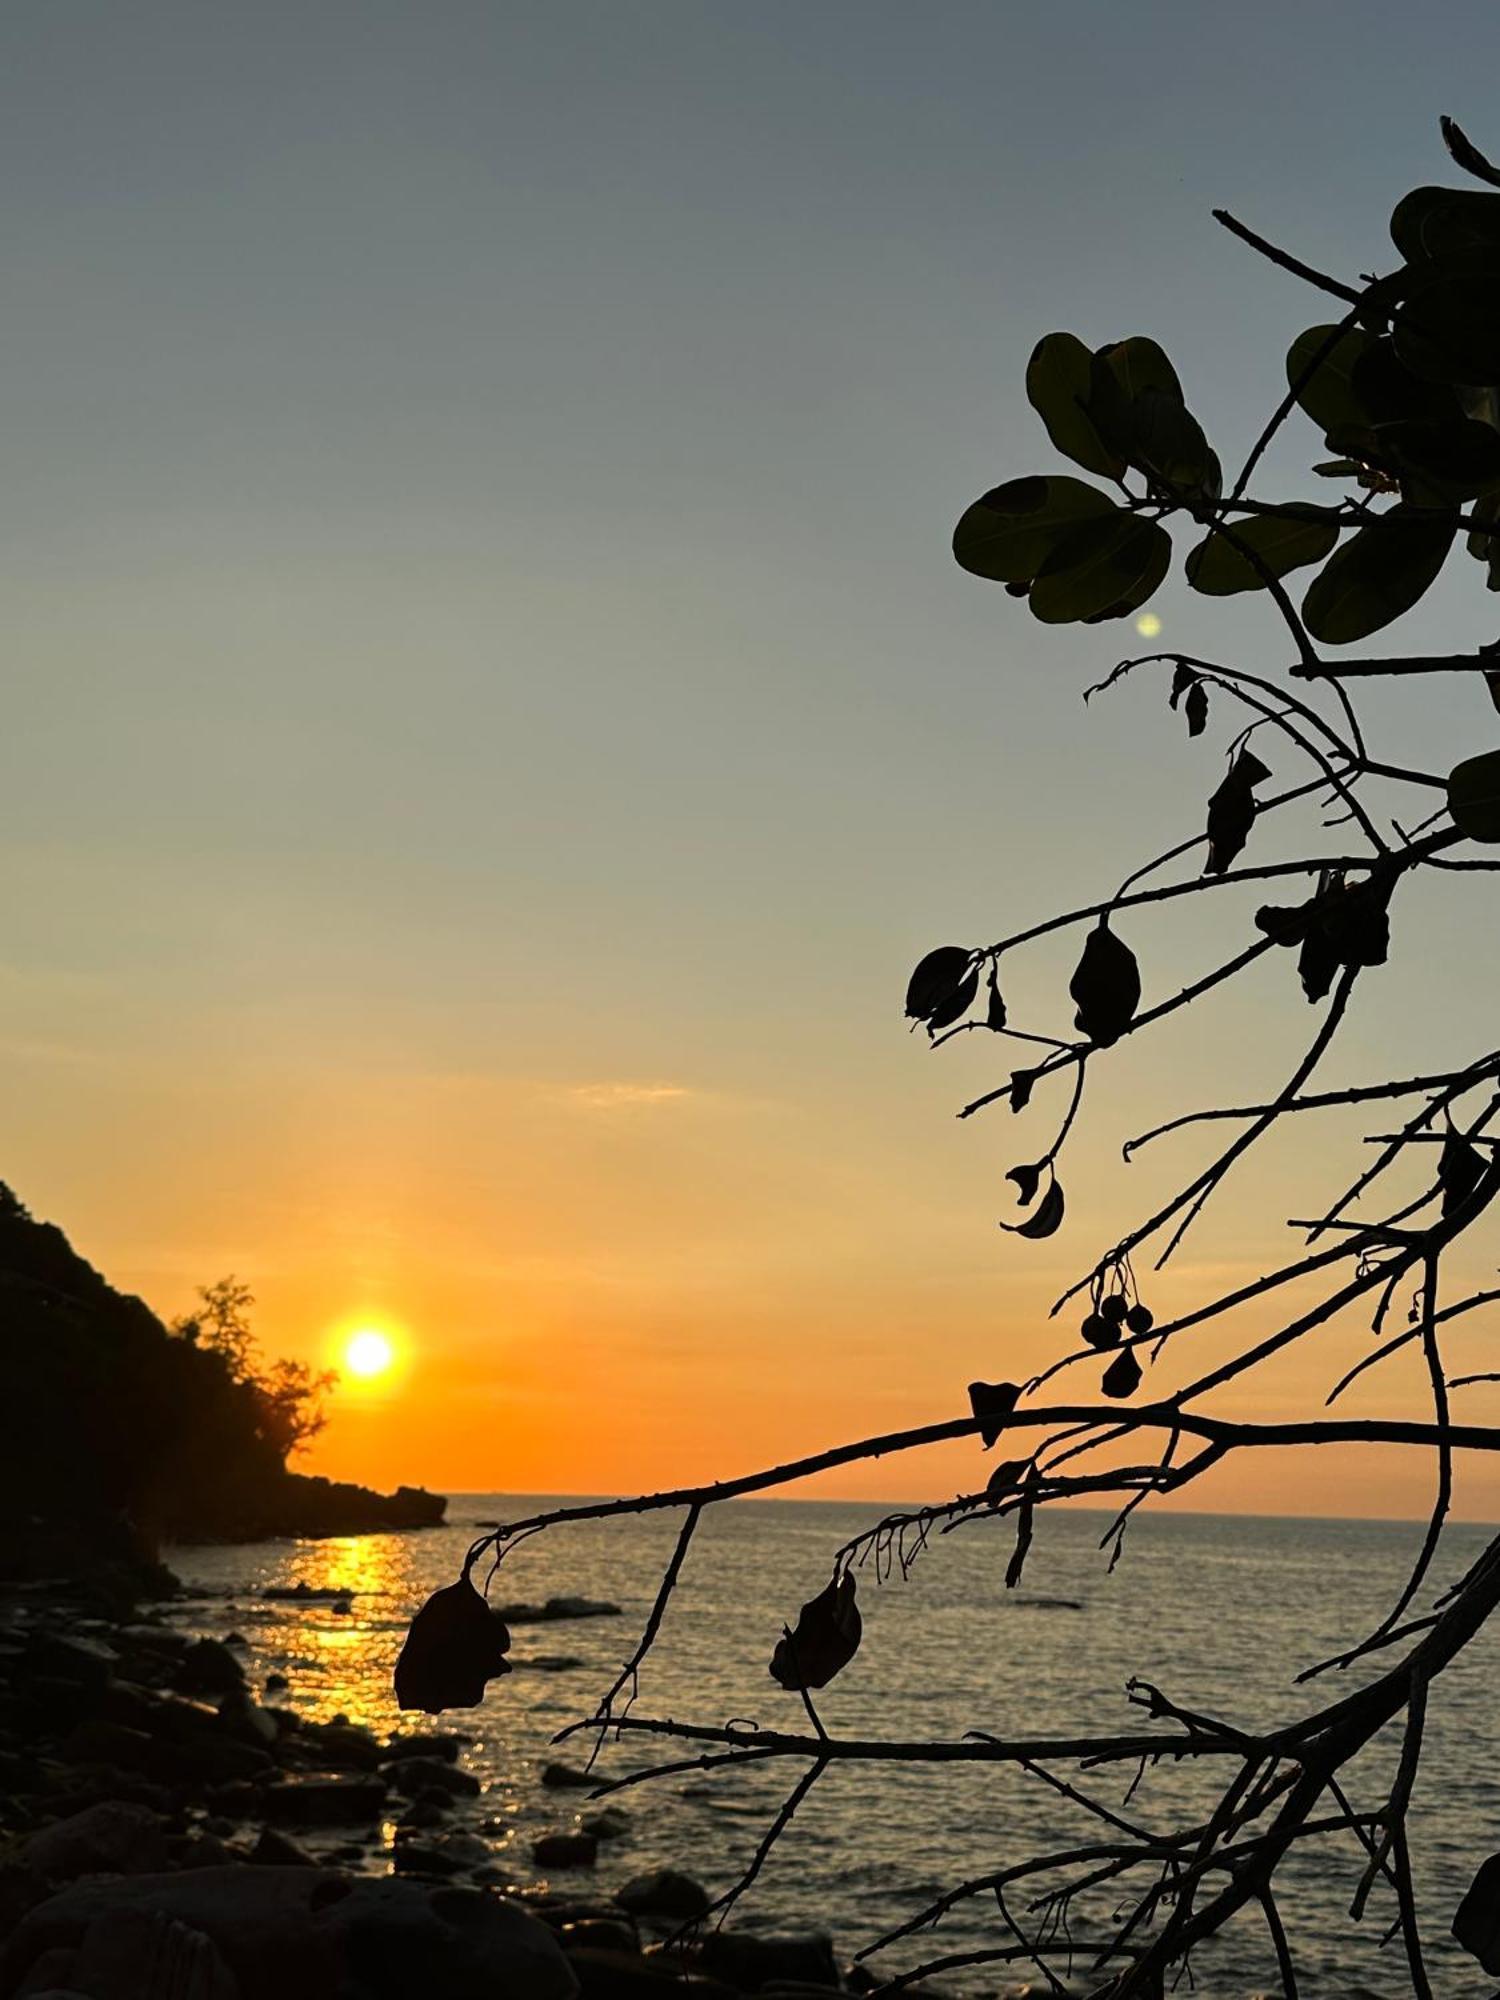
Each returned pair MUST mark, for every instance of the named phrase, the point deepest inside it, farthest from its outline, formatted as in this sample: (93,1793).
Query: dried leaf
(1460,1169)
(1195,708)
(992,1403)
(958,1003)
(826,1638)
(935,980)
(1123,1375)
(1106,986)
(995,1016)
(1231,811)
(1027,1180)
(1464,153)
(1046,1219)
(454,1645)
(1007,1474)
(1022,1083)
(1025,1521)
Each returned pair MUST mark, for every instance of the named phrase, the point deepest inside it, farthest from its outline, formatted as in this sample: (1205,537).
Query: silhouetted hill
(111,1425)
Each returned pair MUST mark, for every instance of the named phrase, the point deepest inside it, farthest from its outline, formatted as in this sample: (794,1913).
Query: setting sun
(368,1352)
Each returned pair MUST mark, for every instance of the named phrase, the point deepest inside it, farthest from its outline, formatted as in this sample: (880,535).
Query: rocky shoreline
(164,1831)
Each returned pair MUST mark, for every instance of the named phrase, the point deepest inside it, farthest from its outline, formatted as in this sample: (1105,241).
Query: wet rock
(236,1639)
(439,1799)
(608,1824)
(416,1774)
(312,1934)
(425,1743)
(752,1962)
(203,1850)
(599,1934)
(424,1816)
(563,1776)
(277,1683)
(245,1720)
(623,1975)
(565,1850)
(663,1893)
(556,1608)
(323,1801)
(108,1838)
(340,1746)
(208,1667)
(109,1744)
(143,1952)
(548,1663)
(277,1850)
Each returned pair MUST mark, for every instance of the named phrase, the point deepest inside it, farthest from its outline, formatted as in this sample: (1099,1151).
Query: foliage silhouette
(1403,389)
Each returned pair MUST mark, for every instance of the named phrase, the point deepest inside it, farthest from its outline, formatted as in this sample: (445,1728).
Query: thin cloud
(626,1096)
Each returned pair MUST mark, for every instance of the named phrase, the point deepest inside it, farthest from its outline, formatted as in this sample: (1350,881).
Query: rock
(62,1656)
(556,1607)
(415,1774)
(275,1850)
(623,1975)
(208,1667)
(425,1743)
(109,1838)
(277,1683)
(324,1801)
(600,1934)
(203,1850)
(340,1746)
(110,1744)
(565,1850)
(607,1824)
(548,1663)
(424,1858)
(313,1934)
(424,1816)
(247,1721)
(145,1953)
(1477,1922)
(439,1799)
(663,1893)
(562,1776)
(236,1639)
(752,1962)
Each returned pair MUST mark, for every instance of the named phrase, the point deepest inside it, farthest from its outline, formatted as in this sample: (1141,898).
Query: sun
(368,1352)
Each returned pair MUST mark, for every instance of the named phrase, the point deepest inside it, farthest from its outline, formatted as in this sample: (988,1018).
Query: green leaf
(1101,569)
(1464,153)
(1381,572)
(1007,535)
(1328,394)
(1168,441)
(1387,390)
(1448,327)
(1057,386)
(1451,461)
(1138,364)
(1474,796)
(1302,535)
(1434,221)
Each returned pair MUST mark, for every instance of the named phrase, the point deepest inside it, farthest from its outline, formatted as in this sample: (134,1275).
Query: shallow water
(1218,1611)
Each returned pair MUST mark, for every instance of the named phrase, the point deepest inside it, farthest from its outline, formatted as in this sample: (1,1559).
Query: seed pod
(1101,1332)
(1140,1319)
(992,1403)
(825,1641)
(1123,1375)
(1114,1308)
(454,1645)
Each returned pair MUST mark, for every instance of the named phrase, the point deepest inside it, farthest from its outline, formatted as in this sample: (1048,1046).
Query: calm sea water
(1218,1611)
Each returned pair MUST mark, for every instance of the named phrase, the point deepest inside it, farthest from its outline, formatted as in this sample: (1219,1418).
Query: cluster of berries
(1102,1327)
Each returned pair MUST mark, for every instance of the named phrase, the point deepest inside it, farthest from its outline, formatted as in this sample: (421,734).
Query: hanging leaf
(1447,327)
(1464,153)
(1449,460)
(1344,924)
(454,1645)
(995,1014)
(1123,1375)
(1460,1170)
(1184,678)
(1474,796)
(1104,568)
(826,1638)
(1328,395)
(937,977)
(1022,1083)
(958,1003)
(1106,986)
(1285,924)
(1379,573)
(1231,811)
(992,1403)
(1057,387)
(1025,1522)
(1006,1475)
(1300,535)
(1476,1925)
(1046,1219)
(1027,1180)
(1195,708)
(1007,535)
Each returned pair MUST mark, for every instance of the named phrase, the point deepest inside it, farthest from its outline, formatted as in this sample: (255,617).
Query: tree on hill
(287,1396)
(1400,378)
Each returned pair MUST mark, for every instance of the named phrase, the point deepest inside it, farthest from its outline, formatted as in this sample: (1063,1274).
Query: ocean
(1218,1611)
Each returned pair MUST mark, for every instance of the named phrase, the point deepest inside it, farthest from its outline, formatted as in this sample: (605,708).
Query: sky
(493,717)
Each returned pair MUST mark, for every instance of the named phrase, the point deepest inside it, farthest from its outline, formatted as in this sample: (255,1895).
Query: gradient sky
(492,717)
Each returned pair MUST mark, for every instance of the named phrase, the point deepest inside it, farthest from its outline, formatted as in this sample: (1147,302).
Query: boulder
(314,1934)
(416,1774)
(751,1962)
(108,1838)
(277,1850)
(663,1893)
(208,1667)
(324,1801)
(607,1824)
(565,1850)
(624,1975)
(425,1743)
(564,1776)
(555,1608)
(599,1934)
